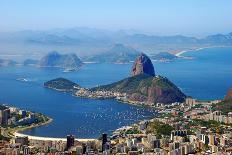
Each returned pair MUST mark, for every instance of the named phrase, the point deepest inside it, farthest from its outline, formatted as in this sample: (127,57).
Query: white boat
(22,79)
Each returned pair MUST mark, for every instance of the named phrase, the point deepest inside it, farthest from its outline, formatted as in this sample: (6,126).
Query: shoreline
(16,133)
(179,54)
(123,101)
(11,132)
(36,125)
(50,138)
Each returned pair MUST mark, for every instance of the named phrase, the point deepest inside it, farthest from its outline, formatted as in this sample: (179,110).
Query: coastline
(49,138)
(124,101)
(179,53)
(114,98)
(15,132)
(12,131)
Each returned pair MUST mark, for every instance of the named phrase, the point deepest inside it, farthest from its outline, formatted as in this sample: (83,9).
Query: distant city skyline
(192,17)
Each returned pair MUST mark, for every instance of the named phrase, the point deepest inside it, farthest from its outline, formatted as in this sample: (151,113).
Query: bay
(206,76)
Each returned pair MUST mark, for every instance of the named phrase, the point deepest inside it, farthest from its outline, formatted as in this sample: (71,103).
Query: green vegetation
(181,114)
(207,124)
(144,87)
(133,131)
(127,85)
(159,128)
(198,106)
(163,82)
(4,138)
(61,84)
(190,132)
(165,115)
(135,83)
(225,107)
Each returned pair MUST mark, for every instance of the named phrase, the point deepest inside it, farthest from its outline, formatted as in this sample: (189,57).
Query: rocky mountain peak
(143,65)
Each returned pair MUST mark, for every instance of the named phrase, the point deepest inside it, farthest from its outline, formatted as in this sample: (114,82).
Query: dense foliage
(159,128)
(144,87)
(61,84)
(224,106)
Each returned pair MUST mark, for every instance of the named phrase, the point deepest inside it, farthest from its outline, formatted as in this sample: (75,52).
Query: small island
(62,84)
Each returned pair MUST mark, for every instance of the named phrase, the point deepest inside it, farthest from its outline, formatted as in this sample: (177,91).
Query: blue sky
(189,17)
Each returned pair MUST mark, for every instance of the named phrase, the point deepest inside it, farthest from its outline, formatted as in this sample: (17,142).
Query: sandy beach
(179,54)
(16,134)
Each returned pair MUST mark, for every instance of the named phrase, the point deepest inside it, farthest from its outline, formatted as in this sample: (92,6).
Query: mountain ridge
(117,54)
(66,61)
(87,42)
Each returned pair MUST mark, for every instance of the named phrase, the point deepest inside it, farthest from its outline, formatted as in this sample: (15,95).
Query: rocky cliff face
(143,65)
(229,95)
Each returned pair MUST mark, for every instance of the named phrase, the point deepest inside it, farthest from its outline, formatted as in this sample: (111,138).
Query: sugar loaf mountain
(142,87)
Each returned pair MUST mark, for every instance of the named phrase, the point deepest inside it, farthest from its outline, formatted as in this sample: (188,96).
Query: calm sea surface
(207,76)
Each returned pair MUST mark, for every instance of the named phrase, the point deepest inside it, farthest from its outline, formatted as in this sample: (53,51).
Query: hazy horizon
(30,29)
(191,18)
(127,31)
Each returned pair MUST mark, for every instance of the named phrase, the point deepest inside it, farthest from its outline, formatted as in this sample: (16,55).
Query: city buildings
(178,129)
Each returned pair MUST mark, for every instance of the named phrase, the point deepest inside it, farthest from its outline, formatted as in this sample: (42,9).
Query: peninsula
(143,87)
(14,120)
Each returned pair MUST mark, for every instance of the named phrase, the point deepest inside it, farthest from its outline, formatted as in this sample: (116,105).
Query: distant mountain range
(30,62)
(95,36)
(6,62)
(117,54)
(124,54)
(87,41)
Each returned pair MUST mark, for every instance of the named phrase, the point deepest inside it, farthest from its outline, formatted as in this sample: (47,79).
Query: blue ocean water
(85,118)
(206,76)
